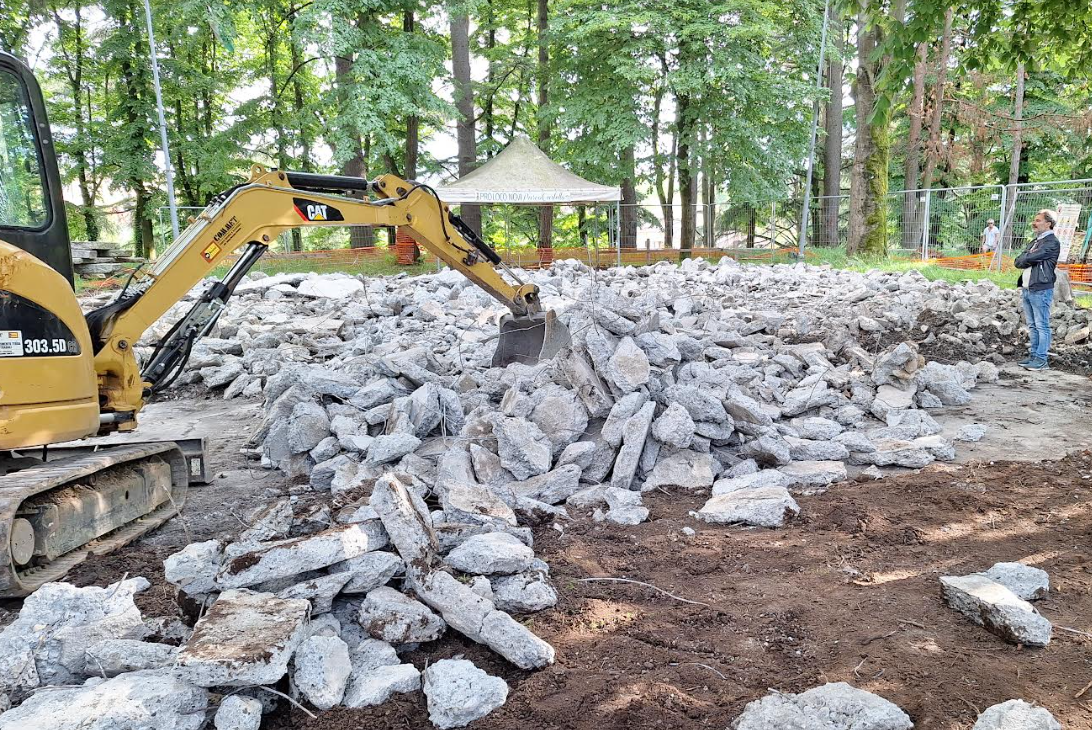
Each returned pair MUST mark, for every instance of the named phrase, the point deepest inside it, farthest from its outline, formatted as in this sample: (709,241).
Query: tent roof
(522,174)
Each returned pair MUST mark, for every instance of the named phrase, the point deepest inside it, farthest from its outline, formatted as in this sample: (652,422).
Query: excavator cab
(32,216)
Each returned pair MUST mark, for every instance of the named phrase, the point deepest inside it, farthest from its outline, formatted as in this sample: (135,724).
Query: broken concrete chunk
(634,434)
(970,432)
(764,478)
(561,417)
(626,507)
(994,607)
(406,520)
(385,449)
(307,426)
(579,454)
(523,592)
(237,712)
(491,553)
(291,557)
(768,450)
(814,473)
(553,487)
(1025,581)
(628,366)
(152,700)
(686,469)
(476,618)
(1016,715)
(194,567)
(473,503)
(396,618)
(376,686)
(320,591)
(458,693)
(244,639)
(48,641)
(760,506)
(322,670)
(271,522)
(674,427)
(112,657)
(835,706)
(523,449)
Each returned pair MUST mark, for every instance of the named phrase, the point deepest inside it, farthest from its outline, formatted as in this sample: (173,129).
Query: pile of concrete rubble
(416,471)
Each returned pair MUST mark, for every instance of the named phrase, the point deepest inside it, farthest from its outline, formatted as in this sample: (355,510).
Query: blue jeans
(1037,311)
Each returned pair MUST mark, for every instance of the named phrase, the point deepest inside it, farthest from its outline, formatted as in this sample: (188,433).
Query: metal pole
(162,122)
(618,229)
(925,229)
(814,130)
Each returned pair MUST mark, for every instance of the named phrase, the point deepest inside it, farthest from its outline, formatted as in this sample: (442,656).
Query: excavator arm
(250,217)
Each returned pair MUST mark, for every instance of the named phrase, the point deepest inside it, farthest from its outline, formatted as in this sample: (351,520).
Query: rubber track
(19,486)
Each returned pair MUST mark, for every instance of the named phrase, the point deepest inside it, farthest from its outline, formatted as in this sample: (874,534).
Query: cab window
(23,201)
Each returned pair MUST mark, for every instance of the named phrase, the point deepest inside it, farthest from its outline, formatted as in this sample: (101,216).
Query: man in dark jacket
(1037,286)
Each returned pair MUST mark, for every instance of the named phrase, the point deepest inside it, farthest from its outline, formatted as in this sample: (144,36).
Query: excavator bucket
(530,339)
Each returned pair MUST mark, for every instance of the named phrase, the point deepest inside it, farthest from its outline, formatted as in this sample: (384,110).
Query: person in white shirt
(990,235)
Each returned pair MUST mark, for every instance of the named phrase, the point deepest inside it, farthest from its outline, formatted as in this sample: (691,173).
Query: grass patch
(839,260)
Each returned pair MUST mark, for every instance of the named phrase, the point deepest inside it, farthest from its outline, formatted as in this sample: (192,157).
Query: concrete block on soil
(1016,715)
(458,693)
(193,568)
(376,686)
(322,669)
(814,473)
(465,502)
(523,592)
(760,506)
(1025,581)
(286,558)
(476,618)
(491,553)
(271,522)
(237,712)
(244,639)
(994,607)
(835,706)
(396,618)
(153,700)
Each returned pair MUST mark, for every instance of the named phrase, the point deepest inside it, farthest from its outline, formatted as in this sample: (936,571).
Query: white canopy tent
(522,174)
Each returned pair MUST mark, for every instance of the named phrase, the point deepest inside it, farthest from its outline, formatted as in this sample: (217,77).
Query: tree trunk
(752,225)
(491,77)
(546,212)
(74,73)
(708,210)
(911,233)
(832,143)
(464,104)
(359,236)
(664,164)
(934,148)
(868,183)
(686,177)
(306,143)
(413,122)
(629,199)
(1017,155)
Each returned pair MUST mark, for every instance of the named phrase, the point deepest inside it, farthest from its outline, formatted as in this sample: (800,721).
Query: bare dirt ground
(847,593)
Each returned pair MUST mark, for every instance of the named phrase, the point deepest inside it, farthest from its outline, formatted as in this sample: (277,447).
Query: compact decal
(11,343)
(316,212)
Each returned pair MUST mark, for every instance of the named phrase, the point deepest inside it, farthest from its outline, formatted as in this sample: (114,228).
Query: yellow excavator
(65,375)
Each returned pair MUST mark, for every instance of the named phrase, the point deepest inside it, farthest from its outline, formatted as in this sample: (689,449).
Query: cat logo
(315,212)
